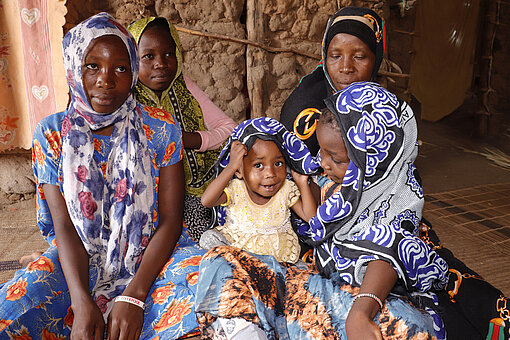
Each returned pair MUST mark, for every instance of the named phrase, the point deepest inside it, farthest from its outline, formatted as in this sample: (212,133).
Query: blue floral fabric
(36,301)
(105,209)
(292,148)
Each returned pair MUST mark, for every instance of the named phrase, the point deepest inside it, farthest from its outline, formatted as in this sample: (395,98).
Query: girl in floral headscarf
(110,192)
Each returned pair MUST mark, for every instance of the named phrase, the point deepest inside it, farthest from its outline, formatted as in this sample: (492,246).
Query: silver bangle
(370,295)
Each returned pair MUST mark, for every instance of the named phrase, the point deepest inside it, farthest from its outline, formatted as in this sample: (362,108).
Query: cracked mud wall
(243,80)
(217,66)
(247,81)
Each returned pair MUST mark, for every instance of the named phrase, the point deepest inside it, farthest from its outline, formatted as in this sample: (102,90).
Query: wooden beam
(248,42)
(403,32)
(393,74)
(255,58)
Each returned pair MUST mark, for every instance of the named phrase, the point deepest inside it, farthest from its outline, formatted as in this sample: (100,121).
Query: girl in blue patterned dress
(110,194)
(372,277)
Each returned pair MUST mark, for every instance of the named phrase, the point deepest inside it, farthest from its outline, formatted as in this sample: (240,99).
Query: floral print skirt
(35,304)
(288,302)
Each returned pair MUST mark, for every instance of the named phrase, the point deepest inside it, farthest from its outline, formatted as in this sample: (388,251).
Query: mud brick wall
(243,80)
(293,24)
(217,66)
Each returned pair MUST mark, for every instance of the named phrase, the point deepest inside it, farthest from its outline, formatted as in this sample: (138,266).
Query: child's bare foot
(25,260)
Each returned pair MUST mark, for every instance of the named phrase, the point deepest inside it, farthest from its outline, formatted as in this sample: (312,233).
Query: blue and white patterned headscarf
(112,213)
(297,156)
(376,213)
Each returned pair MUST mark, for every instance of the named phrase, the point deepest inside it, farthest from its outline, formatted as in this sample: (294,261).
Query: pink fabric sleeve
(219,126)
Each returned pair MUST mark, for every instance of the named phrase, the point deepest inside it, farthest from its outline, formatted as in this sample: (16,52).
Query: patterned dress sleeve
(46,149)
(161,130)
(293,193)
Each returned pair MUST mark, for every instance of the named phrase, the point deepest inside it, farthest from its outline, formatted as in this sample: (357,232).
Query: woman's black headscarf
(302,109)
(364,24)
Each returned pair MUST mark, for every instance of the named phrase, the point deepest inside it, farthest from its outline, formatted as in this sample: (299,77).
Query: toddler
(253,187)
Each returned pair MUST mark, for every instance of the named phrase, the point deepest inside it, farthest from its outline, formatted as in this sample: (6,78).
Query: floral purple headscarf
(111,212)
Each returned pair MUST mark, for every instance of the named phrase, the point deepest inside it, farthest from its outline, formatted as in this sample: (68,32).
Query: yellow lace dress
(261,229)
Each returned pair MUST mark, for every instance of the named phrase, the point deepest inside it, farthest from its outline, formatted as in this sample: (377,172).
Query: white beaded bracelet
(130,300)
(370,295)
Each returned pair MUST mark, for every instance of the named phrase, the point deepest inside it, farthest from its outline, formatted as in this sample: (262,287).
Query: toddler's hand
(298,178)
(237,152)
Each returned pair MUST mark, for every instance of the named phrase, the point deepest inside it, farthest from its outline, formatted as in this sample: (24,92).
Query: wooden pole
(393,74)
(485,97)
(255,57)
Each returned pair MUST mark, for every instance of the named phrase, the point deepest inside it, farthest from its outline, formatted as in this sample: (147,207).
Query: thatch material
(474,223)
(19,236)
(496,156)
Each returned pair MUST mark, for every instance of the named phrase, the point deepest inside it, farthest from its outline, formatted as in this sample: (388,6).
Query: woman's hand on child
(88,322)
(360,326)
(299,178)
(237,152)
(125,321)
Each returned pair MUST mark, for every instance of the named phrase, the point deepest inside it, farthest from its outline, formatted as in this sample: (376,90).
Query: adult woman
(364,237)
(204,126)
(352,50)
(353,47)
(110,192)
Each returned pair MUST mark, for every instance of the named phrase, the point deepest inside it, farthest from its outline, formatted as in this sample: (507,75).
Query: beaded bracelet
(370,295)
(130,300)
